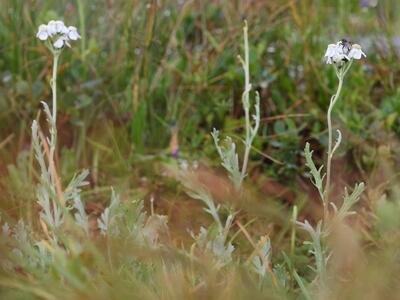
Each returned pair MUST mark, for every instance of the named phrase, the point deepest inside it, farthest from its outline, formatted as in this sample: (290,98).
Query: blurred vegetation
(146,71)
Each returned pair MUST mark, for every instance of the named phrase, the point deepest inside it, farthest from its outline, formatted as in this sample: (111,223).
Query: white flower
(356,52)
(42,33)
(341,52)
(73,33)
(58,34)
(59,43)
(331,51)
(335,53)
(60,27)
(51,28)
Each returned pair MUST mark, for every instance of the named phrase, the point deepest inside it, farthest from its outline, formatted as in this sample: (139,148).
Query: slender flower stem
(246,104)
(341,73)
(332,103)
(53,124)
(56,56)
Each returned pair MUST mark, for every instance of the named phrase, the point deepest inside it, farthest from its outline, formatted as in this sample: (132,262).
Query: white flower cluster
(343,51)
(58,34)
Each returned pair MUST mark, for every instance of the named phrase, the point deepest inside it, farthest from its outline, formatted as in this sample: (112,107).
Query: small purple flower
(368,3)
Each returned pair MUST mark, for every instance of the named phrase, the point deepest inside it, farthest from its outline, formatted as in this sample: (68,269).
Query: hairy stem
(330,144)
(54,85)
(246,104)
(53,126)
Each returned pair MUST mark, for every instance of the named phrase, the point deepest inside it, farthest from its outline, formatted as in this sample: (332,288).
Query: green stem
(293,234)
(56,56)
(246,104)
(293,240)
(333,101)
(81,11)
(53,130)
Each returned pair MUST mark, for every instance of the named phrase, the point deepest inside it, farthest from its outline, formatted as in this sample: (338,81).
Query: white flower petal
(332,54)
(59,43)
(64,30)
(42,27)
(60,27)
(51,28)
(73,33)
(332,49)
(42,35)
(356,52)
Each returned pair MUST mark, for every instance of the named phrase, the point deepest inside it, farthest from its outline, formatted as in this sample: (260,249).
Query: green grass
(142,71)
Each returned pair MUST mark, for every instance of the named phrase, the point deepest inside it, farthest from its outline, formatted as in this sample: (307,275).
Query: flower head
(332,54)
(342,52)
(57,34)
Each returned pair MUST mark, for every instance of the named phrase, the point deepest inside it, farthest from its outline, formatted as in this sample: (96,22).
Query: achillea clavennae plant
(228,154)
(50,195)
(341,55)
